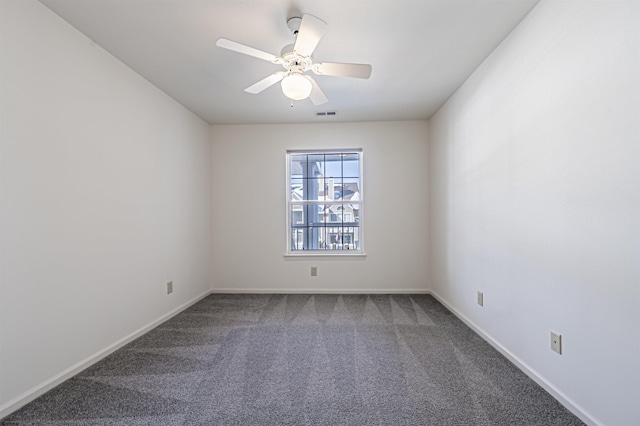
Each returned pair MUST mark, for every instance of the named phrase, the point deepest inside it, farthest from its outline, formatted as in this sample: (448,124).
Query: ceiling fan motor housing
(294,24)
(291,60)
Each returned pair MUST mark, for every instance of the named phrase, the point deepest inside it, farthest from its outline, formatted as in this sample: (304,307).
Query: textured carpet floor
(302,360)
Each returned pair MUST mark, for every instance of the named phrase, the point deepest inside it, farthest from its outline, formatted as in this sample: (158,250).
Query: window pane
(295,165)
(350,189)
(323,215)
(342,213)
(296,193)
(322,239)
(332,188)
(307,226)
(311,189)
(297,216)
(350,165)
(307,170)
(333,166)
(334,214)
(297,238)
(355,208)
(308,237)
(315,165)
(343,237)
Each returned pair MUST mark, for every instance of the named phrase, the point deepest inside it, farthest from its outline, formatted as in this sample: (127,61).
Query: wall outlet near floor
(556,342)
(169,287)
(314,271)
(480,298)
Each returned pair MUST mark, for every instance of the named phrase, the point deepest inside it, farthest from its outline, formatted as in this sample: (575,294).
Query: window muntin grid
(324,201)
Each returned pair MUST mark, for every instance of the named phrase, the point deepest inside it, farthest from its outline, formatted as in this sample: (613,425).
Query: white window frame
(351,253)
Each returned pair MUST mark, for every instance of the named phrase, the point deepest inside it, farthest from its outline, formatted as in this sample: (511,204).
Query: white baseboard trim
(36,391)
(49,384)
(576,409)
(315,291)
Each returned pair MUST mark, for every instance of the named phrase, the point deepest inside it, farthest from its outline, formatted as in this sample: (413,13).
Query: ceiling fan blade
(309,34)
(343,70)
(317,96)
(241,48)
(265,82)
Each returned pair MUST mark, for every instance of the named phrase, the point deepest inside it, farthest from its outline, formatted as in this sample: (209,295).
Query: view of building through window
(325,200)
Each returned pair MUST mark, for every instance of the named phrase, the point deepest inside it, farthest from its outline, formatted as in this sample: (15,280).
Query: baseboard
(44,387)
(49,384)
(576,409)
(315,291)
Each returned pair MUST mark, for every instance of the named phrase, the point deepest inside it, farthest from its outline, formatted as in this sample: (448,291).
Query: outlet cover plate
(556,342)
(169,287)
(480,298)
(314,271)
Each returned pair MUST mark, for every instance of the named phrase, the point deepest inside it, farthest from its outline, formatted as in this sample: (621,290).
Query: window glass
(324,201)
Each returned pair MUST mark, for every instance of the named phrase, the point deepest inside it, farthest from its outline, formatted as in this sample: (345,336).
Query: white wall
(535,173)
(249,213)
(105,195)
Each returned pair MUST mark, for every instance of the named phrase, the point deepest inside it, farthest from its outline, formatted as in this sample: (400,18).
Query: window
(324,202)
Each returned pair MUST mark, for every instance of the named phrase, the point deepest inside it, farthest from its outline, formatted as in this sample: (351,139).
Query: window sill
(324,255)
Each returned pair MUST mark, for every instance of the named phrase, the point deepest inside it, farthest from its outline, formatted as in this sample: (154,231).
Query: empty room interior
(482,162)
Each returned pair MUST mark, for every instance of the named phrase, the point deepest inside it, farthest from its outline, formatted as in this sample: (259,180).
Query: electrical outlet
(480,298)
(556,342)
(314,271)
(169,287)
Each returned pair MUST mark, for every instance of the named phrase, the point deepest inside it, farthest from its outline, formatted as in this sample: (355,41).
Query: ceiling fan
(296,60)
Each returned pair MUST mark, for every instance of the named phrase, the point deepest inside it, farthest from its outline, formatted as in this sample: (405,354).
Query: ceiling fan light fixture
(296,86)
(296,60)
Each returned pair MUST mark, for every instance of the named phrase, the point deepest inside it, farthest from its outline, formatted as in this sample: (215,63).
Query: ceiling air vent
(326,113)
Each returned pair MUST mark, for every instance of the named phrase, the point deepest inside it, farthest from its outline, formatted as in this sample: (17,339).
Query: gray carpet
(302,360)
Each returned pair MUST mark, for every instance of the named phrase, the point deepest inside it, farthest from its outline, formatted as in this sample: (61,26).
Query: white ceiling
(421,51)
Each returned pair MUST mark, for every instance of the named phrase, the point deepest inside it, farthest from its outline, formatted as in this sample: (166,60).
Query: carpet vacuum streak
(294,359)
